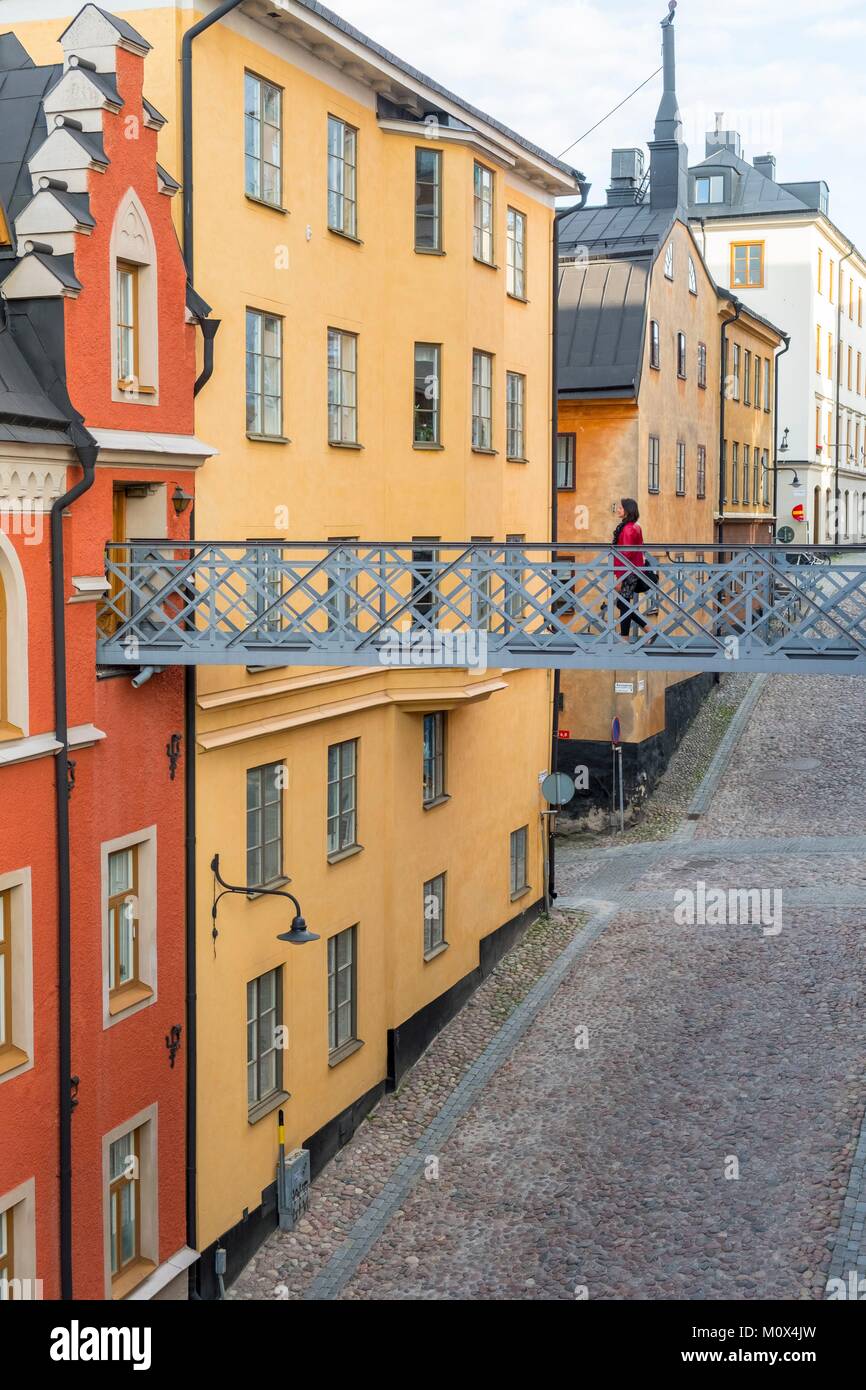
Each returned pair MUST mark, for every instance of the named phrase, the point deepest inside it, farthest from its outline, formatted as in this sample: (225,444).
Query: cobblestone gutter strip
(367,1229)
(849,1252)
(716,770)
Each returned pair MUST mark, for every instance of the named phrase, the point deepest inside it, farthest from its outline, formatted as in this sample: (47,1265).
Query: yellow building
(379,255)
(745,501)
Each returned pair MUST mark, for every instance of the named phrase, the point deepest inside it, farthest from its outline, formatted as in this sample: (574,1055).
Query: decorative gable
(96,35)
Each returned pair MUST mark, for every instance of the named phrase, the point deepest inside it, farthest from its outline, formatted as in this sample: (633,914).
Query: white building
(775,246)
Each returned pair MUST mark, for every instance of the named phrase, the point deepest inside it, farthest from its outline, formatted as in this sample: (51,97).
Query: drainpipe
(787,341)
(838,403)
(87,453)
(208,332)
(189,701)
(723,462)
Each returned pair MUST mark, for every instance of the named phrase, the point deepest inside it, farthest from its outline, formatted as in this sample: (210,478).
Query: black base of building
(405,1045)
(642,763)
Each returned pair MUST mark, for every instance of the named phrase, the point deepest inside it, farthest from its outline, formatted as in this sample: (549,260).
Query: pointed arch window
(134,324)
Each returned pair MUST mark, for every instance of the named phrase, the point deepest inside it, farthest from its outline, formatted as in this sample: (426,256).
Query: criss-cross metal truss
(474,604)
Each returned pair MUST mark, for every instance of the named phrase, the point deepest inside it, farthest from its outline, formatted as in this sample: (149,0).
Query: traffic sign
(799,512)
(785,535)
(557,788)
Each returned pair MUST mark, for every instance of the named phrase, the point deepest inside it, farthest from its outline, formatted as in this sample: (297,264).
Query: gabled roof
(620,231)
(124,29)
(151,111)
(166,177)
(89,140)
(22,122)
(752,192)
(26,412)
(105,82)
(602,308)
(76,203)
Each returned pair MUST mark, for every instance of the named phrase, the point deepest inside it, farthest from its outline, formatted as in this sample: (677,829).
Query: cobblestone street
(633,1105)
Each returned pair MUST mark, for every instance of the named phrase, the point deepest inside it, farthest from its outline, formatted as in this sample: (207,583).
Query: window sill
(436,801)
(681,376)
(127,996)
(265,1107)
(132,391)
(521,892)
(131,1278)
(477,449)
(9,731)
(655,366)
(518,298)
(268,438)
(491,265)
(12,1057)
(263,203)
(515,458)
(428,251)
(255,893)
(346,236)
(337,855)
(430,448)
(343,444)
(568,487)
(437,951)
(341,1053)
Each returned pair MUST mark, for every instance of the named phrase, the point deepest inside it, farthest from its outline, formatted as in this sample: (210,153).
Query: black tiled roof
(606,231)
(602,308)
(26,412)
(752,191)
(22,122)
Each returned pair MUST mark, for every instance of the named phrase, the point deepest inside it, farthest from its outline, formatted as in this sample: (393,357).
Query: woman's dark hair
(629,506)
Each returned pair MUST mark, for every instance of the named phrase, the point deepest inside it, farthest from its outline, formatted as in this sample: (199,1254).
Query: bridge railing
(465,604)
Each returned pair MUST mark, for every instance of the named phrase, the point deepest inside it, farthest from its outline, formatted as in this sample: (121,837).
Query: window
(267,557)
(681,354)
(480,582)
(264,1024)
(756,476)
(850,367)
(735,472)
(859,370)
(832,273)
(434,915)
(342,387)
(702,366)
(860,306)
(723,468)
(735,395)
(341,601)
(342,169)
(425,427)
(482,400)
(669,260)
(262,139)
(702,471)
(710,189)
(342,796)
(123,898)
(850,296)
(514,606)
(655,350)
(434,758)
(518,879)
(424,594)
(653,464)
(342,989)
(124,1202)
(127,323)
(515,397)
(746,497)
(565,451)
(681,468)
(765,469)
(265,824)
(820,271)
(817,347)
(757,382)
(264,374)
(747,377)
(747,264)
(482,230)
(7,1252)
(515,279)
(428,199)
(693,279)
(5,971)
(830,355)
(817,427)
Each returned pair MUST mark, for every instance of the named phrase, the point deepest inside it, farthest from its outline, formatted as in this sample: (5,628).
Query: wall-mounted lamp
(297,935)
(783,447)
(181,499)
(795,481)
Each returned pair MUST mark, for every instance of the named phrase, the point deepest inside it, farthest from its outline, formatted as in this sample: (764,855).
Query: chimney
(669,158)
(766,165)
(626,177)
(719,139)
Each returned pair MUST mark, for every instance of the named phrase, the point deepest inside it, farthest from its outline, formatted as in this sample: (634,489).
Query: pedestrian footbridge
(468,604)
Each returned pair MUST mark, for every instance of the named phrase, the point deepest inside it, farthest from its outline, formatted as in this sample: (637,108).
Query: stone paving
(702,1137)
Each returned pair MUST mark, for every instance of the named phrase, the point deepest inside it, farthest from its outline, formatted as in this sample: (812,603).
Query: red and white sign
(799,512)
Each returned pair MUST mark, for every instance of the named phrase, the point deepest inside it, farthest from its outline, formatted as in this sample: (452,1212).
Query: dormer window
(669,260)
(127,324)
(710,189)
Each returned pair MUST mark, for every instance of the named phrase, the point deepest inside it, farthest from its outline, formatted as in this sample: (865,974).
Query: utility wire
(610,113)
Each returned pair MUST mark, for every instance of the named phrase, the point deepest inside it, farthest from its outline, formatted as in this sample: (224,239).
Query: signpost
(616,751)
(557,788)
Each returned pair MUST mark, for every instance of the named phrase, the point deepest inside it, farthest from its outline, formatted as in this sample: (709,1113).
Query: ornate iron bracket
(172,752)
(172,1042)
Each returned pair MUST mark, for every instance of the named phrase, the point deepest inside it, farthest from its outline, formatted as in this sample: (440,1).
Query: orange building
(97,443)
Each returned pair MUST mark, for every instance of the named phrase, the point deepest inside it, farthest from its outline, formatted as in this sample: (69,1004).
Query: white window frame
(434,899)
(18,884)
(515,417)
(260,357)
(515,263)
(133,242)
(715,188)
(147,1121)
(23,1199)
(146,924)
(433,767)
(263,83)
(518,889)
(342,1046)
(343,178)
(483,212)
(482,393)
(338,380)
(338,848)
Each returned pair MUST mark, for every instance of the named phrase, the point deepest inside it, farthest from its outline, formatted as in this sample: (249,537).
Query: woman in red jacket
(628,537)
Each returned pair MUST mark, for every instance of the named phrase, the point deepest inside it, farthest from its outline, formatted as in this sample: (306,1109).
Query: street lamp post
(297,935)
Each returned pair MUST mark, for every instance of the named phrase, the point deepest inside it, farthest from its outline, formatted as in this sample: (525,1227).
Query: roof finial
(720,116)
(671,15)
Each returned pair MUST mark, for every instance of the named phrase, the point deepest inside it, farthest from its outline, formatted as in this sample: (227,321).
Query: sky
(790,75)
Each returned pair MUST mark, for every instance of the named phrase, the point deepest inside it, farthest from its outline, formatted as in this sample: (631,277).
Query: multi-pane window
(262,139)
(747,377)
(264,374)
(482,224)
(565,450)
(124,1202)
(723,469)
(434,914)
(515,280)
(342,795)
(767,384)
(702,365)
(123,910)
(817,347)
(756,476)
(832,279)
(735,472)
(514,605)
(342,988)
(7,1252)
(425,415)
(342,387)
(518,860)
(342,177)
(655,348)
(710,189)
(428,199)
(424,595)
(434,757)
(5,970)
(341,597)
(264,1020)
(746,496)
(757,382)
(127,322)
(681,468)
(265,562)
(735,355)
(681,354)
(693,277)
(765,469)
(669,260)
(265,824)
(702,471)
(820,271)
(515,401)
(830,355)
(653,464)
(747,264)
(481,582)
(482,400)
